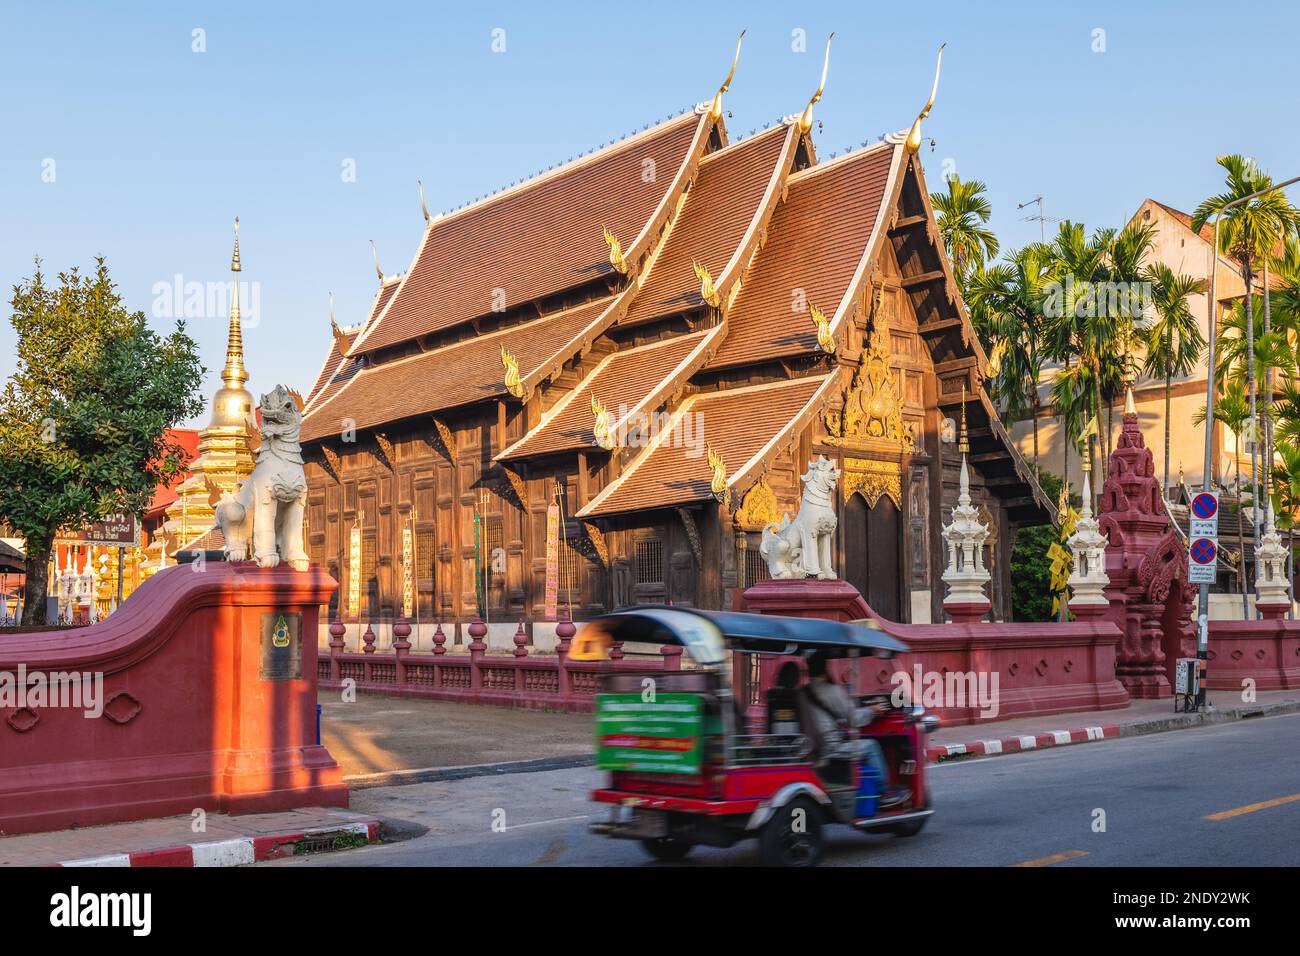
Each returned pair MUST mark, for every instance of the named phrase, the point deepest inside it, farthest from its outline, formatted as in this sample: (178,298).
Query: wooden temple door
(872,536)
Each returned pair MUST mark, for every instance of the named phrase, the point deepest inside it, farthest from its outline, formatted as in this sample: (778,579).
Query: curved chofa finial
(914,135)
(341,340)
(374,255)
(806,120)
(715,111)
(423,208)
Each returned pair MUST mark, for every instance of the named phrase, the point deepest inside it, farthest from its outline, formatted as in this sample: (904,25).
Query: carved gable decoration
(758,508)
(872,403)
(872,479)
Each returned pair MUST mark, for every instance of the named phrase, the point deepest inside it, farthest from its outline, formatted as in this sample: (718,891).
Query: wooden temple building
(659,335)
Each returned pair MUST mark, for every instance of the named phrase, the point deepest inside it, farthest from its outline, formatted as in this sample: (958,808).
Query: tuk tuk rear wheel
(793,837)
(666,848)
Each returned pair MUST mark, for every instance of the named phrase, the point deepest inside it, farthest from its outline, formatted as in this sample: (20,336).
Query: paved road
(1156,792)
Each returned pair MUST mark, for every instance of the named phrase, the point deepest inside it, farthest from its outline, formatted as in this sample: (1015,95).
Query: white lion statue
(802,547)
(268,509)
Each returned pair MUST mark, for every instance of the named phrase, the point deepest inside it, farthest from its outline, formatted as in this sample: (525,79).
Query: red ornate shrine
(1150,600)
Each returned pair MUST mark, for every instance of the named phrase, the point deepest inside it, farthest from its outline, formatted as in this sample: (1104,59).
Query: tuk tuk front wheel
(793,837)
(666,849)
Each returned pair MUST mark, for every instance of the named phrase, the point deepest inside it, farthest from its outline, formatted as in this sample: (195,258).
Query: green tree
(962,214)
(1009,299)
(1174,342)
(84,418)
(1031,584)
(1232,409)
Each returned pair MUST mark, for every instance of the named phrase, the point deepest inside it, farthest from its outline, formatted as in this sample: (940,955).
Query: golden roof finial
(601,425)
(374,255)
(718,484)
(423,208)
(708,291)
(234,375)
(825,340)
(616,257)
(806,120)
(1087,456)
(715,111)
(340,337)
(963,439)
(913,142)
(514,385)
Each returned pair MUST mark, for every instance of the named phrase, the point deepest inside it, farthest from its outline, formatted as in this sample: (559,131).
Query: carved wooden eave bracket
(446,442)
(518,486)
(598,543)
(332,462)
(387,453)
(692,534)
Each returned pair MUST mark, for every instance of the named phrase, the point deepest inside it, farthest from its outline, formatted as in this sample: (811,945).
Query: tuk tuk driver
(830,708)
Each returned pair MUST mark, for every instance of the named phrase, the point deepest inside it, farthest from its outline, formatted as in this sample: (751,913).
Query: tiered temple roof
(587,277)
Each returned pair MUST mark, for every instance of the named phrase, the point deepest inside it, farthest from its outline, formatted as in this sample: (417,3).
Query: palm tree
(961,214)
(1247,232)
(1286,503)
(1174,342)
(1009,300)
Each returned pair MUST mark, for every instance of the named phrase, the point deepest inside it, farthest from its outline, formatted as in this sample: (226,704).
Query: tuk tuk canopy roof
(754,633)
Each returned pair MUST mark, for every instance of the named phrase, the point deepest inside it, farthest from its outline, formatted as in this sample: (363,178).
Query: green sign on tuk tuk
(659,735)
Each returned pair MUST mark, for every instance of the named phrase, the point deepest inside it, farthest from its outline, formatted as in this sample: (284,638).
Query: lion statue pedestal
(267,511)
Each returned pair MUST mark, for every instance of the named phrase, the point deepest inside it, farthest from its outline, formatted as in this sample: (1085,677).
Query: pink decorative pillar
(521,640)
(401,646)
(439,640)
(477,631)
(564,632)
(1146,562)
(337,630)
(368,639)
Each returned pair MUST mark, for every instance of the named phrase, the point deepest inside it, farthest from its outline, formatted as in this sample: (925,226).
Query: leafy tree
(84,418)
(1174,342)
(1031,585)
(962,214)
(1232,409)
(1009,298)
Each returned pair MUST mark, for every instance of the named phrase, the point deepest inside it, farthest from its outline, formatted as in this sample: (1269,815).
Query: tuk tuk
(690,763)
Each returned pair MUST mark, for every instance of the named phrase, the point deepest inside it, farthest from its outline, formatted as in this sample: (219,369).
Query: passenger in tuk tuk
(828,710)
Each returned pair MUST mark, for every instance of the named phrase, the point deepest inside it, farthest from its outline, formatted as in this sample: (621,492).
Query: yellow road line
(1049,860)
(1252,807)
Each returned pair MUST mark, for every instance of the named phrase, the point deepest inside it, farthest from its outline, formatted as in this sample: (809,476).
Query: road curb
(237,851)
(1021,742)
(943,753)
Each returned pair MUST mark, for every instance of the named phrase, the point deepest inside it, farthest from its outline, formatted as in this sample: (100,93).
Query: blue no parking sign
(1205,515)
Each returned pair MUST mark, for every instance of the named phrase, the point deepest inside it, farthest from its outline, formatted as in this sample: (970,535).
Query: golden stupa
(224,458)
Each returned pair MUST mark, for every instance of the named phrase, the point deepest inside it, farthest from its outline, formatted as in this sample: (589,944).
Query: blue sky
(156,147)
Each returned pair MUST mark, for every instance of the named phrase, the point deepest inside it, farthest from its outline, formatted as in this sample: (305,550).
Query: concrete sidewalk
(171,841)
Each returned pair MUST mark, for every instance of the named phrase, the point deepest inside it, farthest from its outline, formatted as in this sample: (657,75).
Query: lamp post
(1203,599)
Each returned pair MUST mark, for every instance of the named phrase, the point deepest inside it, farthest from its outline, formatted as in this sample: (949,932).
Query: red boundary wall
(188,722)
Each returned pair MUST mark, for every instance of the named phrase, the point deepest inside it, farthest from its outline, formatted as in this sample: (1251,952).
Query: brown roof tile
(629,384)
(539,239)
(816,240)
(719,210)
(674,469)
(456,374)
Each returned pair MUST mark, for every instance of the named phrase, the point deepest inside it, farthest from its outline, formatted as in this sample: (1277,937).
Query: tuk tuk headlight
(930,723)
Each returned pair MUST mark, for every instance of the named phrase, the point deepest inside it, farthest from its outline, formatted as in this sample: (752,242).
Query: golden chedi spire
(715,110)
(806,120)
(233,403)
(913,142)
